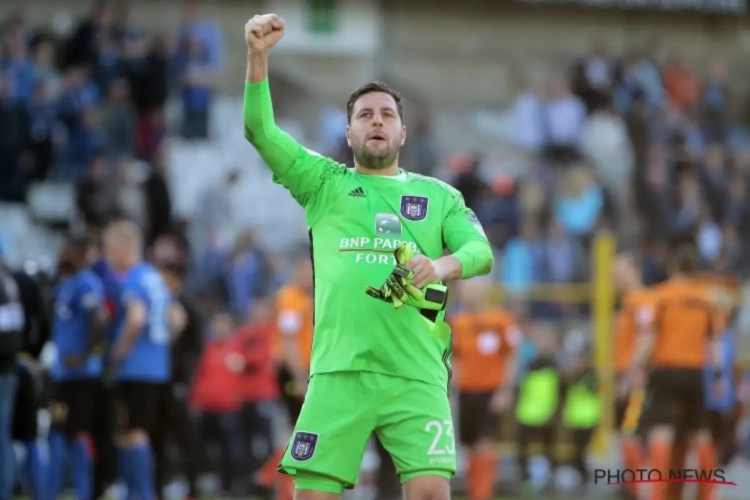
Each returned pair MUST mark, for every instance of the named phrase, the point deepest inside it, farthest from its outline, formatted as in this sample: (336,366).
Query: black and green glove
(398,288)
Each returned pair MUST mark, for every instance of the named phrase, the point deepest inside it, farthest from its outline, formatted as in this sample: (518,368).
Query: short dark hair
(369,88)
(685,259)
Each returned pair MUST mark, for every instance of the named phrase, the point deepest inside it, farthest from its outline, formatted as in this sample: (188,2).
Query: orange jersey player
(681,339)
(294,324)
(485,343)
(634,315)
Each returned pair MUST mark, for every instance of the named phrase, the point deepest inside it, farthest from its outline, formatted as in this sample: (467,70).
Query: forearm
(257,68)
(130,334)
(474,258)
(644,346)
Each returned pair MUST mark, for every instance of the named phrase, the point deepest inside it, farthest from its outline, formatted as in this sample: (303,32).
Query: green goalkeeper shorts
(342,411)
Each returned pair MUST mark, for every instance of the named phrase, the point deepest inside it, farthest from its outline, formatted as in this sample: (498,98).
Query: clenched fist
(263,32)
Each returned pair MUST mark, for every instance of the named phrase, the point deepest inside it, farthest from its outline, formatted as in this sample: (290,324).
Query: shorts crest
(303,446)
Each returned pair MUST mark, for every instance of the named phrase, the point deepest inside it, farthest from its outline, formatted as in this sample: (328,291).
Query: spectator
(186,350)
(732,260)
(715,102)
(467,181)
(656,201)
(78,93)
(215,216)
(198,80)
(12,344)
(654,261)
(260,388)
(708,237)
(714,179)
(639,126)
(158,201)
(95,198)
(558,258)
(119,121)
(628,84)
(681,83)
(149,84)
(196,26)
(19,67)
(689,207)
(517,263)
(565,115)
(127,35)
(82,48)
(212,266)
(606,144)
(216,397)
(86,142)
(47,74)
(528,113)
(580,203)
(736,207)
(14,141)
(499,212)
(108,65)
(595,77)
(248,274)
(43,117)
(650,75)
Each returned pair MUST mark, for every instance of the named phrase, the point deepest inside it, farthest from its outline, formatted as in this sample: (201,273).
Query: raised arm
(299,170)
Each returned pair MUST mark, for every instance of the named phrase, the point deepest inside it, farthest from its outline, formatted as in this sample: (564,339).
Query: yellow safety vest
(583,408)
(538,397)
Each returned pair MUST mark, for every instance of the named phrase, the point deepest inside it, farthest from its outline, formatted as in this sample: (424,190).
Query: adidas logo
(358,193)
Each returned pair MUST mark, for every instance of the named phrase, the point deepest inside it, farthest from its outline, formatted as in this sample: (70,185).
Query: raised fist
(263,32)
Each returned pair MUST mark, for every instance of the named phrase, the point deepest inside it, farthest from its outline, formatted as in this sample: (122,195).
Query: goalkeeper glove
(398,288)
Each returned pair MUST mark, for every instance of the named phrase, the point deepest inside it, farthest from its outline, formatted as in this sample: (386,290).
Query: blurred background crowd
(104,115)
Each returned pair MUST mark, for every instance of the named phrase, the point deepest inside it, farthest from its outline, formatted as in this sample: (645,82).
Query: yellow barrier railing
(602,319)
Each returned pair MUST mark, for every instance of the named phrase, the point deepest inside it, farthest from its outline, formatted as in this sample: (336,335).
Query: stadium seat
(52,202)
(21,239)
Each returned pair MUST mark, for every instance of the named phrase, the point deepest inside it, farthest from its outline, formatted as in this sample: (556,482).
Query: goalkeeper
(381,351)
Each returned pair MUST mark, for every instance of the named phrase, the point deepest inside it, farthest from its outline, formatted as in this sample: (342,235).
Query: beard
(375,159)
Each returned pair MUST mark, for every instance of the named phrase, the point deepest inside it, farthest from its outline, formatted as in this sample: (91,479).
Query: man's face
(375,132)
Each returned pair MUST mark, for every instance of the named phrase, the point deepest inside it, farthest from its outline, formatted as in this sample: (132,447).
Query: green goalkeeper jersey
(355,223)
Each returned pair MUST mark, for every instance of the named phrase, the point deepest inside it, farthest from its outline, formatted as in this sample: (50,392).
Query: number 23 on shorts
(443,441)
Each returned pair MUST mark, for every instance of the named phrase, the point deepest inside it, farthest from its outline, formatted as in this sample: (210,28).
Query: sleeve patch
(475,222)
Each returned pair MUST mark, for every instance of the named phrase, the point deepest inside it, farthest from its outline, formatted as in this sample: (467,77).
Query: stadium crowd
(639,144)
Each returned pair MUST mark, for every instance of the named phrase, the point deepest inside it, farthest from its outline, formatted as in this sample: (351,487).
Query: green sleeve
(299,170)
(465,239)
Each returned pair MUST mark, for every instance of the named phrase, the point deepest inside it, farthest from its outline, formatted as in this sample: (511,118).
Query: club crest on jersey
(303,446)
(414,208)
